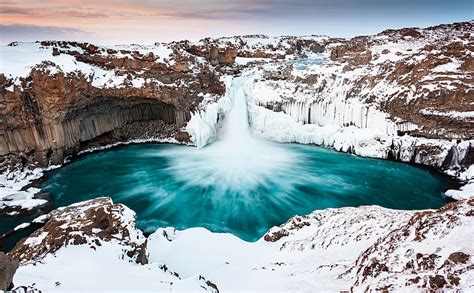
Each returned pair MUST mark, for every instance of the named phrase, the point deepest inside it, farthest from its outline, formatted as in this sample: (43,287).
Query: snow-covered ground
(19,59)
(79,268)
(325,251)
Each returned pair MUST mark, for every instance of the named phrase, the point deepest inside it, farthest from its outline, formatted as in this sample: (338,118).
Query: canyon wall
(402,94)
(77,95)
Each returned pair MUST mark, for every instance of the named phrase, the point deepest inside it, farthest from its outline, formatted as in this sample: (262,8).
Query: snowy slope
(331,250)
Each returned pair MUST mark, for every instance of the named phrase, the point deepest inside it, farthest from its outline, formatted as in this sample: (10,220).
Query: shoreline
(48,206)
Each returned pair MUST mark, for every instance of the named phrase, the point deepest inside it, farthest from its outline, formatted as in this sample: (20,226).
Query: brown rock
(181,67)
(90,223)
(229,56)
(8,267)
(437,282)
(183,136)
(459,257)
(275,236)
(55,51)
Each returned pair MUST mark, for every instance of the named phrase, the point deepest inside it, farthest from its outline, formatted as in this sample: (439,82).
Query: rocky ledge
(365,248)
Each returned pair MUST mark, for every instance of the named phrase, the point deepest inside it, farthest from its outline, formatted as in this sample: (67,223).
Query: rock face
(404,94)
(7,270)
(381,265)
(409,81)
(421,78)
(88,223)
(50,111)
(397,250)
(57,98)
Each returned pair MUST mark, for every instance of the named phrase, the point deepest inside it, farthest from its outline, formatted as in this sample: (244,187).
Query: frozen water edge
(466,191)
(12,193)
(367,142)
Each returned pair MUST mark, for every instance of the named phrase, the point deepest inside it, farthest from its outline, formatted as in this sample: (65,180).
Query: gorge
(239,184)
(237,104)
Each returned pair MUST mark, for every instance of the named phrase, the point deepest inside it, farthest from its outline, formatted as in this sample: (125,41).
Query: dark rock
(91,222)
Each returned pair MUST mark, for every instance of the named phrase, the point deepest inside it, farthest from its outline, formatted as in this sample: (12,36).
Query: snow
(160,50)
(220,257)
(465,192)
(10,88)
(245,61)
(17,61)
(453,114)
(34,241)
(320,252)
(79,268)
(22,226)
(448,67)
(132,141)
(12,193)
(468,174)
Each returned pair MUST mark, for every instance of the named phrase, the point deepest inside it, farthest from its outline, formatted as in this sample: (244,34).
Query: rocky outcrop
(367,248)
(103,235)
(381,265)
(405,250)
(87,223)
(404,95)
(225,50)
(434,76)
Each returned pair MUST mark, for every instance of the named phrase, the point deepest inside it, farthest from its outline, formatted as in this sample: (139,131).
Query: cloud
(83,13)
(140,21)
(13,10)
(15,32)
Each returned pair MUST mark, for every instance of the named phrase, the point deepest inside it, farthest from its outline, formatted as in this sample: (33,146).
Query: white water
(236,161)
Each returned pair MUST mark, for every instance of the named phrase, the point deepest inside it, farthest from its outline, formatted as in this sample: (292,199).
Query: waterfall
(236,124)
(237,161)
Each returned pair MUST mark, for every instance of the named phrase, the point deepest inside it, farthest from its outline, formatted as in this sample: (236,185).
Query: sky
(148,21)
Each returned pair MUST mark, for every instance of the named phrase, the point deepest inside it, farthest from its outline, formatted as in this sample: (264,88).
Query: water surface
(172,185)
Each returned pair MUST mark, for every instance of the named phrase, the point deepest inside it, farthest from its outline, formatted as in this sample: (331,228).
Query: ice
(465,192)
(203,125)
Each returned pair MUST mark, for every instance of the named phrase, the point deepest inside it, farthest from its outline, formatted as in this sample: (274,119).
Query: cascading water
(237,162)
